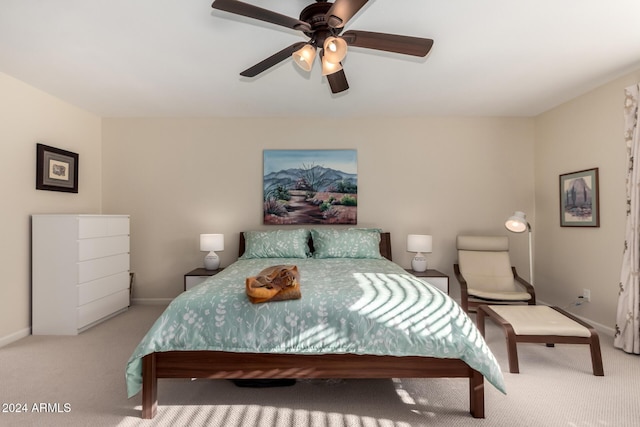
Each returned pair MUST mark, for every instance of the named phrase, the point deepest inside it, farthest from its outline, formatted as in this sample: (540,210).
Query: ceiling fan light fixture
(335,49)
(304,56)
(329,67)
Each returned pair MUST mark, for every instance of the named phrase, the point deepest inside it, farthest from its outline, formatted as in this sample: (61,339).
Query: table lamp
(420,244)
(211,243)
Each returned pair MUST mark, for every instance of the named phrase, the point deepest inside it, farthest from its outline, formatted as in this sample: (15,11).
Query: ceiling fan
(323,22)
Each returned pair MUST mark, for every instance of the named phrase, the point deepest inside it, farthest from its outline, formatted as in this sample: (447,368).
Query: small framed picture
(579,199)
(56,169)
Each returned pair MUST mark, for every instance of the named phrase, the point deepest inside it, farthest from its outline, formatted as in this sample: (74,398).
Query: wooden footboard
(199,364)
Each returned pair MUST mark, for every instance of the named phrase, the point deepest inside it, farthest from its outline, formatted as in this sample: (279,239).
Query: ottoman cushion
(540,320)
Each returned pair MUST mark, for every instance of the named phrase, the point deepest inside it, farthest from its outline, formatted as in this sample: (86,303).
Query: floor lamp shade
(211,243)
(517,222)
(421,244)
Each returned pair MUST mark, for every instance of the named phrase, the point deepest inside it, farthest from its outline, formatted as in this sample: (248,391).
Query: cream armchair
(485,273)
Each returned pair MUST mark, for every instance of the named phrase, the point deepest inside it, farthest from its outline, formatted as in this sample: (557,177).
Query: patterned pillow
(276,244)
(352,243)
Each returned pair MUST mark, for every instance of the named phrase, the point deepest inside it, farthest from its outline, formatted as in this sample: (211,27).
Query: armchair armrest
(464,293)
(528,286)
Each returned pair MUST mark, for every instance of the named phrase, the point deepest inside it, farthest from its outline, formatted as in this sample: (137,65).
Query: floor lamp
(517,223)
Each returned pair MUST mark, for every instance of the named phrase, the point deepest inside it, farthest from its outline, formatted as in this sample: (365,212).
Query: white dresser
(80,271)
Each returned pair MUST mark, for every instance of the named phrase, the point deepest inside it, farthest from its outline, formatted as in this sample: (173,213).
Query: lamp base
(419,263)
(211,261)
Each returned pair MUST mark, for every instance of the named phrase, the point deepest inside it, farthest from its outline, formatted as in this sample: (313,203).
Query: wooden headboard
(385,245)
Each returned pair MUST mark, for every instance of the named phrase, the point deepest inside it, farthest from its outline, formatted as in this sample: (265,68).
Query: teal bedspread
(359,306)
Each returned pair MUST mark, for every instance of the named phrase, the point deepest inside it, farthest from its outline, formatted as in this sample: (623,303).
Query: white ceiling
(169,58)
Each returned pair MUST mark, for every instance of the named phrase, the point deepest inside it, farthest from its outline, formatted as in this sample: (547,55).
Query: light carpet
(79,381)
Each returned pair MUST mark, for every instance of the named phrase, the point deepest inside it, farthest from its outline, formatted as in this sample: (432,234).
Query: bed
(360,316)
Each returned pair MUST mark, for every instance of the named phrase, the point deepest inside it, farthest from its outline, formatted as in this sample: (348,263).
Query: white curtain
(627,336)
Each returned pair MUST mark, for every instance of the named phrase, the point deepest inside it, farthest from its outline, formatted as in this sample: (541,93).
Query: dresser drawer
(89,227)
(103,287)
(117,226)
(102,267)
(102,226)
(102,247)
(103,307)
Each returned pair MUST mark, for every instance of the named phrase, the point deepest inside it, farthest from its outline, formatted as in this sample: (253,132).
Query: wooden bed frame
(225,365)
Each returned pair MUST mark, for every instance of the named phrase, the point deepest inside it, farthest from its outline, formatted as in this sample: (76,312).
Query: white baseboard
(151,301)
(14,337)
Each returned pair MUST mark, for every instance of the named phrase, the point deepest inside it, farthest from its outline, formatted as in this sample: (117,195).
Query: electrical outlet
(586,295)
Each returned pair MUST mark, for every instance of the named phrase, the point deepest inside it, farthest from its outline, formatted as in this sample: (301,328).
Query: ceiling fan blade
(274,59)
(407,45)
(342,11)
(255,12)
(338,82)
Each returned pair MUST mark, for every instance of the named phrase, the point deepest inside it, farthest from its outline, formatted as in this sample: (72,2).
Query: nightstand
(197,276)
(434,277)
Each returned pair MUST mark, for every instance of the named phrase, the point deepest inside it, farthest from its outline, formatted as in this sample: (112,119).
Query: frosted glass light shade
(304,57)
(211,243)
(329,67)
(335,49)
(517,222)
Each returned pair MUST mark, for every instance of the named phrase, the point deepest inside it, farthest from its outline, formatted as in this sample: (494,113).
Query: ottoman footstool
(540,324)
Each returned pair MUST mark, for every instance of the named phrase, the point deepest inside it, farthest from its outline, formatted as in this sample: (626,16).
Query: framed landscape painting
(310,187)
(579,199)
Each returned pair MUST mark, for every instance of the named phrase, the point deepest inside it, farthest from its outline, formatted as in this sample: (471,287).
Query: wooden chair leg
(594,343)
(512,350)
(596,355)
(480,320)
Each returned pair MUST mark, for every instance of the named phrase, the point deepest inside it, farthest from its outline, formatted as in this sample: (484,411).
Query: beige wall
(441,176)
(584,133)
(28,116)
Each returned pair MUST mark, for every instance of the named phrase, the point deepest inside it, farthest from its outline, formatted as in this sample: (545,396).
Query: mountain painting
(310,187)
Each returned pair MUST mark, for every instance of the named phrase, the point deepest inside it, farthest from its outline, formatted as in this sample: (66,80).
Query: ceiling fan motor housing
(315,16)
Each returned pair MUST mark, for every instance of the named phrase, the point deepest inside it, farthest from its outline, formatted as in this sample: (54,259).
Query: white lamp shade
(212,242)
(304,57)
(419,243)
(517,223)
(335,49)
(330,67)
